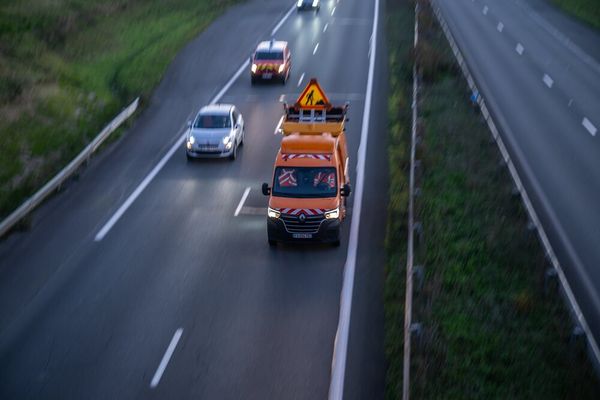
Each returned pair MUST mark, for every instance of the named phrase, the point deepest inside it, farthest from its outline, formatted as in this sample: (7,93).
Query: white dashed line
(485,10)
(520,49)
(500,27)
(165,360)
(282,98)
(315,50)
(570,102)
(242,201)
(325,27)
(587,124)
(332,11)
(301,79)
(548,81)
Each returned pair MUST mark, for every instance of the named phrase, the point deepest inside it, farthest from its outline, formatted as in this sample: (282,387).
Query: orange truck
(307,197)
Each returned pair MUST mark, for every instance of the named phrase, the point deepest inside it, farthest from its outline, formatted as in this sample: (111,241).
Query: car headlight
(254,67)
(192,140)
(315,3)
(299,3)
(226,139)
(281,68)
(332,214)
(272,213)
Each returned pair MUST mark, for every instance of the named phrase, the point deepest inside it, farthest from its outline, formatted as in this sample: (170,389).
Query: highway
(139,280)
(539,73)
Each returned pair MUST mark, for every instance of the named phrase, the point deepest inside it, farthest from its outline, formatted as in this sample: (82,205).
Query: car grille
(310,225)
(208,148)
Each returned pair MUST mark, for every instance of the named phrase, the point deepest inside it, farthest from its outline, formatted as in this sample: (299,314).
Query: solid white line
(325,27)
(239,207)
(485,10)
(315,50)
(332,11)
(278,127)
(340,347)
(285,17)
(519,49)
(234,78)
(589,126)
(165,360)
(301,79)
(500,27)
(547,80)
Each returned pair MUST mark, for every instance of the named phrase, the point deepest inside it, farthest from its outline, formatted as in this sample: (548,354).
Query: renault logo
(302,217)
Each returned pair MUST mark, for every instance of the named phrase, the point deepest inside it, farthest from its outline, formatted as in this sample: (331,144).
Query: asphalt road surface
(180,298)
(539,73)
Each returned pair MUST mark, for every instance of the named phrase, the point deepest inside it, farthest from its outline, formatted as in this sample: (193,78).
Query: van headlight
(272,213)
(299,4)
(315,3)
(332,214)
(281,68)
(253,68)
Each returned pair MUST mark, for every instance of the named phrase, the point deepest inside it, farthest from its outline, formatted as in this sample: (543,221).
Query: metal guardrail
(487,115)
(31,203)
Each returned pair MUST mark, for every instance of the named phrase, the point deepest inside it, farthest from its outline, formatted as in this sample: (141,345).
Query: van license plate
(267,76)
(302,235)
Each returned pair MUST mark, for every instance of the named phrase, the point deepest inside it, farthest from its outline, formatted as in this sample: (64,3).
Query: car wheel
(252,80)
(188,157)
(336,243)
(233,154)
(243,136)
(272,242)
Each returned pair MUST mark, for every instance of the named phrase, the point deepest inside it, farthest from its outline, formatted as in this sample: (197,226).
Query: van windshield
(305,182)
(268,55)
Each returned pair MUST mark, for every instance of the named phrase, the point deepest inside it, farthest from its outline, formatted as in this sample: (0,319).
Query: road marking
(244,197)
(282,98)
(589,126)
(500,27)
(548,81)
(285,17)
(165,360)
(570,102)
(332,11)
(520,49)
(278,127)
(301,79)
(340,346)
(315,50)
(325,27)
(485,10)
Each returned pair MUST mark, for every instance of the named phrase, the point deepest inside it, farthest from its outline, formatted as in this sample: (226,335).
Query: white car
(217,131)
(308,5)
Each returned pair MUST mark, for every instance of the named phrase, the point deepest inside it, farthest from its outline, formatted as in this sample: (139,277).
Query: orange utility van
(307,197)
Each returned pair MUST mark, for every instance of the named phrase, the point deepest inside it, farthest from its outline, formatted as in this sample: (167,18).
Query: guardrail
(39,196)
(487,115)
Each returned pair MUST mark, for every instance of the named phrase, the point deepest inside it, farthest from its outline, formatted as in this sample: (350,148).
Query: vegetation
(587,10)
(67,67)
(488,328)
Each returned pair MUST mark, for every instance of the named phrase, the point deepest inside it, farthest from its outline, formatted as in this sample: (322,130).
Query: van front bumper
(328,232)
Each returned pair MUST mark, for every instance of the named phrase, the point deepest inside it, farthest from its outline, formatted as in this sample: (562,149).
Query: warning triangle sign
(313,97)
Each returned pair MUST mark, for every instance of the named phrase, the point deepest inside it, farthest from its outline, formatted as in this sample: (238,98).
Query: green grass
(67,67)
(587,10)
(489,330)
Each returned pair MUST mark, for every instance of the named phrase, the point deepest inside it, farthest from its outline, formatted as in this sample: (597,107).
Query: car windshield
(213,122)
(268,55)
(305,182)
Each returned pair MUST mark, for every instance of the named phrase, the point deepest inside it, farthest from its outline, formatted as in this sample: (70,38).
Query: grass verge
(587,10)
(67,67)
(489,331)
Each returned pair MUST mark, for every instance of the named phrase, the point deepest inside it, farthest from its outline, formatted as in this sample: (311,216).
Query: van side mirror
(266,190)
(345,190)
